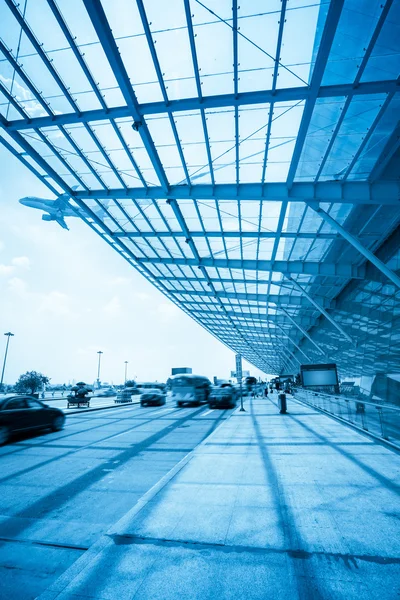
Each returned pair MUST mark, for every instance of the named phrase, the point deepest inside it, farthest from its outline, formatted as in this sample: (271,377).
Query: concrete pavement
(59,492)
(271,506)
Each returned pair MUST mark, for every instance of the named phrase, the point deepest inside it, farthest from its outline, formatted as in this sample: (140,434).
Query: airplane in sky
(55,210)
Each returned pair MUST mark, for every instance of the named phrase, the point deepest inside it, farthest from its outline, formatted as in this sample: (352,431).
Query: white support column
(357,245)
(303,331)
(321,310)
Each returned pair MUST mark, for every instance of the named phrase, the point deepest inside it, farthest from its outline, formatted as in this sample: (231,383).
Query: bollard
(282,403)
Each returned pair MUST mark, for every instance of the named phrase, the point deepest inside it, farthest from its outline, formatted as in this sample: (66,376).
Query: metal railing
(380,420)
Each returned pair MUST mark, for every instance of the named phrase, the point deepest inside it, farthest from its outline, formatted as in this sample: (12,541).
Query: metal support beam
(345,270)
(234,234)
(293,342)
(208,102)
(303,331)
(246,318)
(349,192)
(277,299)
(321,310)
(358,246)
(108,43)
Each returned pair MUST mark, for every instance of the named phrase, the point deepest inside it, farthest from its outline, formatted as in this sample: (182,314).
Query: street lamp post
(98,368)
(126,370)
(8,334)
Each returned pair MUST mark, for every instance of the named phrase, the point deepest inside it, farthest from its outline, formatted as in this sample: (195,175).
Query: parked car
(223,397)
(152,397)
(25,413)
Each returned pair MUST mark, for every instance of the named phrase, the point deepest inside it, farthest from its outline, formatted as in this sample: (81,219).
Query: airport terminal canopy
(243,158)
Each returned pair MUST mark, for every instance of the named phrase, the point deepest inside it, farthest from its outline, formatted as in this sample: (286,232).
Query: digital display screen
(317,375)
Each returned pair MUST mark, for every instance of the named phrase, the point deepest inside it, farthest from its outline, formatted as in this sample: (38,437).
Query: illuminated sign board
(319,375)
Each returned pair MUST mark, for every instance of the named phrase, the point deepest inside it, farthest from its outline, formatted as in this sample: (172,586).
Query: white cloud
(23,96)
(168,311)
(21,261)
(141,295)
(91,350)
(17,286)
(55,303)
(119,281)
(6,269)
(112,308)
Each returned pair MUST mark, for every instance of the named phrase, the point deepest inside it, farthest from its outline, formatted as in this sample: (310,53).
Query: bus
(189,389)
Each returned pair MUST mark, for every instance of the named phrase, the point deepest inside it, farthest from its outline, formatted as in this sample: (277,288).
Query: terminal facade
(259,191)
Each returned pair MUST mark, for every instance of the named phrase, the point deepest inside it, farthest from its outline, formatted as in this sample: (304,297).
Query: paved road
(60,491)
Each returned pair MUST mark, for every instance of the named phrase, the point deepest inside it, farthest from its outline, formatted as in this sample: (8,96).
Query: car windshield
(152,391)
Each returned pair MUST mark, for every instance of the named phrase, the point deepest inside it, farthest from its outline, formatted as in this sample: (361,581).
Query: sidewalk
(270,506)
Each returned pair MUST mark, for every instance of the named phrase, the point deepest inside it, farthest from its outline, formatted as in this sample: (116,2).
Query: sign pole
(241,399)
(239,376)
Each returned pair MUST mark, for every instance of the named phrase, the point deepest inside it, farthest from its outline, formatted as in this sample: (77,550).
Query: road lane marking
(207,413)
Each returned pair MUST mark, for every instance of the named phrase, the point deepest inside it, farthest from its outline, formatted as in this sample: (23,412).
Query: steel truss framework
(250,192)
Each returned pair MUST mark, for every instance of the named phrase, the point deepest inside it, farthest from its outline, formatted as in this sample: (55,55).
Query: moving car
(152,397)
(105,393)
(151,385)
(25,413)
(223,397)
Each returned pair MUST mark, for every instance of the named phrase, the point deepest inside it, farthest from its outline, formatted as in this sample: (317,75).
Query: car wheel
(58,423)
(4,435)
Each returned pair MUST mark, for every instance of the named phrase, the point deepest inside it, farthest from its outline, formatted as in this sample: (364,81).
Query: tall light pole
(8,334)
(126,370)
(98,368)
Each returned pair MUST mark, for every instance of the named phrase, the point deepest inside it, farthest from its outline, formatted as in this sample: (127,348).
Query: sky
(66,295)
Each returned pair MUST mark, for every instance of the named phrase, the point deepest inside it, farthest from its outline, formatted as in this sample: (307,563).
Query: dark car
(223,397)
(152,398)
(26,413)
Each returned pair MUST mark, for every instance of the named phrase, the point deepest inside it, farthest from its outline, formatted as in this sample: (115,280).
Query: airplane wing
(62,223)
(62,201)
(58,218)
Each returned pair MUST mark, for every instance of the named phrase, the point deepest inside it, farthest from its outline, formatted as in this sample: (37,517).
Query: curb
(85,410)
(58,586)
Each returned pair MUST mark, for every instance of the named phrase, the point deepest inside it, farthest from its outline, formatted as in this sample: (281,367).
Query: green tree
(31,382)
(130,383)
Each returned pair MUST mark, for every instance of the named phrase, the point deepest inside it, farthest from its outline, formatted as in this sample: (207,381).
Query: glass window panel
(354,31)
(214,46)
